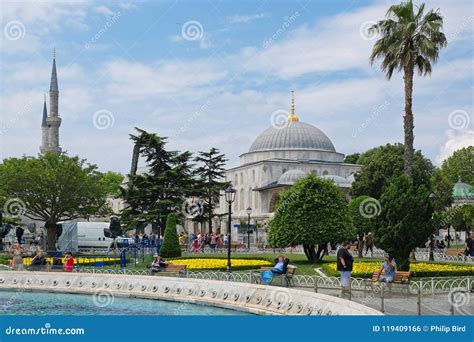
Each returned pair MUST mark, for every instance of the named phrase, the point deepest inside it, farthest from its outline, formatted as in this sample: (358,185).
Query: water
(42,303)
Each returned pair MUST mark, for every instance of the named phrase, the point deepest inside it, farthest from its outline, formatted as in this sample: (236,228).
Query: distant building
(278,157)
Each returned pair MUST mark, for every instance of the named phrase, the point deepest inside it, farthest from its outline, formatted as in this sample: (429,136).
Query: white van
(83,235)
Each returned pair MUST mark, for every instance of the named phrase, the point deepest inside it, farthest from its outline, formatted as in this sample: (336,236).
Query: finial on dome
(293,116)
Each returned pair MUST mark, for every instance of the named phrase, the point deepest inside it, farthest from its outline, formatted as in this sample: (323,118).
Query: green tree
(460,217)
(352,158)
(52,188)
(405,220)
(409,40)
(312,212)
(161,190)
(111,182)
(170,247)
(211,173)
(381,164)
(363,219)
(459,164)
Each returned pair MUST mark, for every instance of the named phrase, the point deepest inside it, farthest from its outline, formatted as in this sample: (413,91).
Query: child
(69,262)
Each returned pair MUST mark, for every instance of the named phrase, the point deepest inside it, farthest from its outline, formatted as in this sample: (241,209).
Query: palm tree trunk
(408,122)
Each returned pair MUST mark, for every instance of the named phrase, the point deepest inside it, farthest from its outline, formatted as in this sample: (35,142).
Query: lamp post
(229,198)
(249,211)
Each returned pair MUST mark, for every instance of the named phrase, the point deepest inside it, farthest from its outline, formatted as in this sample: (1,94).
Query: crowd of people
(39,259)
(197,242)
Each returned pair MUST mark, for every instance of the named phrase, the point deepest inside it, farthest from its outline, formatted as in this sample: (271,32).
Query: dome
(462,190)
(291,176)
(338,180)
(295,135)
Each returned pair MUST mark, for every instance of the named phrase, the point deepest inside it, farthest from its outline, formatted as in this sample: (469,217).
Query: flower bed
(417,269)
(219,263)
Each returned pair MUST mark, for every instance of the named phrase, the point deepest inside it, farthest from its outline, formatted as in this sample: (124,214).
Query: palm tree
(409,40)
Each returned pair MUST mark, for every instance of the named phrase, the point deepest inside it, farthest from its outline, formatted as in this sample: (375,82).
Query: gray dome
(291,176)
(338,180)
(294,135)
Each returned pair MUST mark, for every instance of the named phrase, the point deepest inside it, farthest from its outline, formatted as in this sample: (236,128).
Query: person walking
(345,262)
(369,244)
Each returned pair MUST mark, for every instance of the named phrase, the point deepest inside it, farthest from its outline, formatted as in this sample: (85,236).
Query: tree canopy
(381,164)
(162,188)
(459,164)
(52,188)
(312,212)
(405,220)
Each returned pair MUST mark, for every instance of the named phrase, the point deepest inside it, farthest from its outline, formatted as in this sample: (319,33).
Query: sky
(217,73)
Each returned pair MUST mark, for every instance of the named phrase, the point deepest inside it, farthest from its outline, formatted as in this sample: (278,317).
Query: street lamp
(249,211)
(229,198)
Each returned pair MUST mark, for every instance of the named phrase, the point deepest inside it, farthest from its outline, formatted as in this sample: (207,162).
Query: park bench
(286,277)
(454,252)
(400,277)
(175,269)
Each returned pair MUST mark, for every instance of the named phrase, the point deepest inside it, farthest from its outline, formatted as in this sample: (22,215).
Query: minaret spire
(44,129)
(293,116)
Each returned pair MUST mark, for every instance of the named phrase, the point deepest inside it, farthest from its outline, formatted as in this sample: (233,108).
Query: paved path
(401,304)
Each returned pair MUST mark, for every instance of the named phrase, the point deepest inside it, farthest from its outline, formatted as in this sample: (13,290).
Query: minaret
(53,120)
(44,130)
(293,116)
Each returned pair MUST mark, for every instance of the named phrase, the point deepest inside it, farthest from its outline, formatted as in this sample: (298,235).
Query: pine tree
(170,247)
(161,190)
(211,174)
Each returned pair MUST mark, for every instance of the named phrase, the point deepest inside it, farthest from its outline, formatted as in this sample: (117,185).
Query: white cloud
(245,18)
(455,141)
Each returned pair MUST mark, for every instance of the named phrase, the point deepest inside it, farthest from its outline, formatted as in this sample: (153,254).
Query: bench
(178,269)
(454,252)
(287,277)
(400,277)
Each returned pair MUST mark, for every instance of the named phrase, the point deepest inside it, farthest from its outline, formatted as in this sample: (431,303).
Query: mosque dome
(462,190)
(292,135)
(291,176)
(295,135)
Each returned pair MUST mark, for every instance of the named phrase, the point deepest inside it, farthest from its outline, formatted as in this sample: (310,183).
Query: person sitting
(40,260)
(441,245)
(159,264)
(17,261)
(69,262)
(281,264)
(389,268)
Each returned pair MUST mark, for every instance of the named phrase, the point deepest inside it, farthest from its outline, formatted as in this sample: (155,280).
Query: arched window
(250,198)
(325,172)
(236,181)
(241,178)
(253,175)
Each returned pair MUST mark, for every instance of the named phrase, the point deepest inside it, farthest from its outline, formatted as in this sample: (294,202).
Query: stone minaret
(53,120)
(44,130)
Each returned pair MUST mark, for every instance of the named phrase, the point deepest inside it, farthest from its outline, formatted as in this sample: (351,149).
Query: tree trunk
(360,247)
(310,253)
(403,262)
(408,122)
(51,234)
(322,251)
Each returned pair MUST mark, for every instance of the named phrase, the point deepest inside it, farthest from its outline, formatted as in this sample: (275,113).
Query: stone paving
(402,304)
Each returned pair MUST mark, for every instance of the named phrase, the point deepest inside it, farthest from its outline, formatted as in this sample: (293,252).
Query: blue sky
(217,73)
